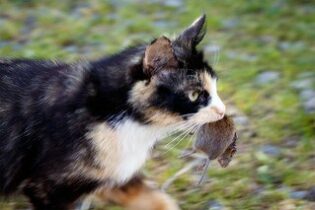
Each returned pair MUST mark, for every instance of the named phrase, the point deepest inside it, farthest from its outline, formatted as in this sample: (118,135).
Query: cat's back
(18,73)
(24,79)
(20,80)
(32,88)
(17,76)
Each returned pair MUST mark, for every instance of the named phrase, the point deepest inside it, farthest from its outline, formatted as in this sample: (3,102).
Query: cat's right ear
(159,56)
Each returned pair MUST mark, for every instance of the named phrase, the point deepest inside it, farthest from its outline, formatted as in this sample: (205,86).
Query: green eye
(193,95)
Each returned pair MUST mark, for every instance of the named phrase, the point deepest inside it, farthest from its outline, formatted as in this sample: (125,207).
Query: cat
(67,130)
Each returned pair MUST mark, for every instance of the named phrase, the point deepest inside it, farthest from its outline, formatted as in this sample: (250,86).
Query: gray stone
(10,44)
(29,24)
(241,120)
(298,194)
(215,205)
(307,74)
(266,39)
(309,105)
(160,23)
(291,141)
(306,9)
(307,94)
(3,44)
(285,46)
(212,49)
(305,80)
(230,23)
(267,77)
(77,11)
(213,52)
(248,57)
(270,150)
(164,24)
(174,3)
(302,84)
(307,97)
(232,54)
(241,56)
(71,48)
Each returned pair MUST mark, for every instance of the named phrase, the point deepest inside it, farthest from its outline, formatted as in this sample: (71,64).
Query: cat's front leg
(137,194)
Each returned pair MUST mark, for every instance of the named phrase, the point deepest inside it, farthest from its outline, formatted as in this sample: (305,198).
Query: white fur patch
(211,112)
(123,151)
(216,101)
(136,142)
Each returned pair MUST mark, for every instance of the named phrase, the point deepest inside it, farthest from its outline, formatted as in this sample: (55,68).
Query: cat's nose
(219,110)
(219,107)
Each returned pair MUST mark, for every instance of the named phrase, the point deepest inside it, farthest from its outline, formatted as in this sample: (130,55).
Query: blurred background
(263,52)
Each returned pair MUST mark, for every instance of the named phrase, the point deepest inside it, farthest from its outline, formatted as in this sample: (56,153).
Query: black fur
(45,108)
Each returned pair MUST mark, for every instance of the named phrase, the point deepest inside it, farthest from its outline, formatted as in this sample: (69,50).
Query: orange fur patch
(140,95)
(206,79)
(138,195)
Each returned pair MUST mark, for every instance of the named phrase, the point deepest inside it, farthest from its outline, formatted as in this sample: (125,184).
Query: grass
(254,36)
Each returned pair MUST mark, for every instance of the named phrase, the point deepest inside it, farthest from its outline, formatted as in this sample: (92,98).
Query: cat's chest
(122,151)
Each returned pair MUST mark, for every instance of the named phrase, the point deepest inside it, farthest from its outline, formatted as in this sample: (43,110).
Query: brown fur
(138,195)
(163,118)
(206,78)
(217,140)
(159,55)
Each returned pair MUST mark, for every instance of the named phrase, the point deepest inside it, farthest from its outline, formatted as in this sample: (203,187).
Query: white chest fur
(121,152)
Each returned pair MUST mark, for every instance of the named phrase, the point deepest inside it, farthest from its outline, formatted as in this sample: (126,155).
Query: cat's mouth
(201,118)
(205,116)
(211,120)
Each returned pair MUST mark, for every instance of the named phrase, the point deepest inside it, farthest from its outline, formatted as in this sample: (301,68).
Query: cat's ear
(190,37)
(159,55)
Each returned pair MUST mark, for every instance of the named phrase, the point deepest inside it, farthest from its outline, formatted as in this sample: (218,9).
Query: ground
(263,52)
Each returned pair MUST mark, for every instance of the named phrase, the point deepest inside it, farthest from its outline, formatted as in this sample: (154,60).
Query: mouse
(217,140)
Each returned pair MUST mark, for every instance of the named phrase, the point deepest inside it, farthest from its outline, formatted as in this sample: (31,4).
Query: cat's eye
(193,95)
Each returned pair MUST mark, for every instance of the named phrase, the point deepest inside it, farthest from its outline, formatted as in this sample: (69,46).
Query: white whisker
(176,138)
(181,137)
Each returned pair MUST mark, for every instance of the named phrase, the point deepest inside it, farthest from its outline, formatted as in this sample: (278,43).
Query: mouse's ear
(159,56)
(190,37)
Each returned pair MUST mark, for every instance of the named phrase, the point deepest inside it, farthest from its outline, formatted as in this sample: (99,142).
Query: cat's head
(179,85)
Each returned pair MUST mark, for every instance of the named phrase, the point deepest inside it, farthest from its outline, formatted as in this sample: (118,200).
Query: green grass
(70,30)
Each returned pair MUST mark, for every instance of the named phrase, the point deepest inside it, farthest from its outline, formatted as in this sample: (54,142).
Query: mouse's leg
(138,195)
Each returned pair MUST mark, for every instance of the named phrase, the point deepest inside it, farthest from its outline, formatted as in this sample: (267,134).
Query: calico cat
(67,130)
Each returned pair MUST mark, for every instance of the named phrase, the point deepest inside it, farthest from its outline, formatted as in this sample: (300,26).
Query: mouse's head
(214,138)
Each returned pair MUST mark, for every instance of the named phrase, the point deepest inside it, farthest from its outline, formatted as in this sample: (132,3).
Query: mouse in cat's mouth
(218,141)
